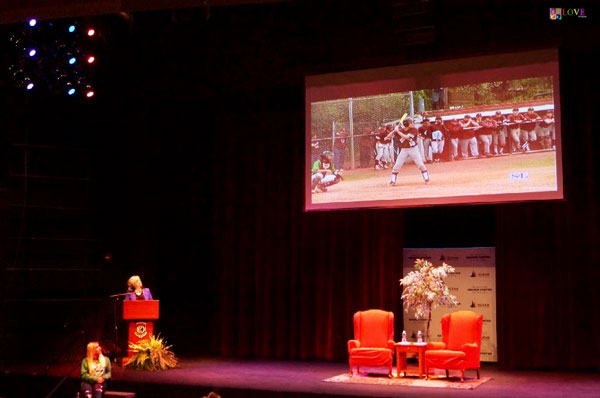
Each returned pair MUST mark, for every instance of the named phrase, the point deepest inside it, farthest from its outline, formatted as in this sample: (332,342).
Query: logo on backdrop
(479,289)
(140,330)
(479,305)
(448,258)
(473,282)
(421,256)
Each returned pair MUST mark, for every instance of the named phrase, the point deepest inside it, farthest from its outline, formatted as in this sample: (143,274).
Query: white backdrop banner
(474,285)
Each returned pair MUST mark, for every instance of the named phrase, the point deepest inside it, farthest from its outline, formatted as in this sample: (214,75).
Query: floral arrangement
(425,289)
(151,354)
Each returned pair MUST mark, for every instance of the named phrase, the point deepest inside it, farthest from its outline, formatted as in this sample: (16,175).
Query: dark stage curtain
(201,167)
(286,283)
(548,256)
(281,283)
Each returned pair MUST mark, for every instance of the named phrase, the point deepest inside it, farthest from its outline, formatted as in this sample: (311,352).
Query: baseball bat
(403,117)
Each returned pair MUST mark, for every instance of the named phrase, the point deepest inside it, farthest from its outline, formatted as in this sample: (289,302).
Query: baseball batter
(408,148)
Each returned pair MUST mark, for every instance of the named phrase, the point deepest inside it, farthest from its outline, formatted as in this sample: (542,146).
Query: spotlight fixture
(57,57)
(69,89)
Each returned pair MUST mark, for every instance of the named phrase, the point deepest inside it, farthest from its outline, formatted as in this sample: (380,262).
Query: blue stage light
(32,22)
(71,91)
(71,28)
(32,52)
(72,60)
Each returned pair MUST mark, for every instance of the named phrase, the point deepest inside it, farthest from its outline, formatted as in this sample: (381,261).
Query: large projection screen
(493,133)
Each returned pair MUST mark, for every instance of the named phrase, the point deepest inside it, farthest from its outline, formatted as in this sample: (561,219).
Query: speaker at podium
(141,315)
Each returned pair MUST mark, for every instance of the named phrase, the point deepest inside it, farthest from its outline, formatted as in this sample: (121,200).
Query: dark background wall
(188,169)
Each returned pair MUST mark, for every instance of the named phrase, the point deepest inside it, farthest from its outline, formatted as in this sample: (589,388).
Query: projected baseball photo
(480,130)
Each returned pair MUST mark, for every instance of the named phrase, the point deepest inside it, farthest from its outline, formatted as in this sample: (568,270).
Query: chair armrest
(353,344)
(470,348)
(391,344)
(436,345)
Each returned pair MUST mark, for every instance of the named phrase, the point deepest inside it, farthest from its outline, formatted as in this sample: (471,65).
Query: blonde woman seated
(95,370)
(137,291)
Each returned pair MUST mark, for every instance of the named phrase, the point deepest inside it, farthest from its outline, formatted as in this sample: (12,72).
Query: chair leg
(478,376)
(447,373)
(462,375)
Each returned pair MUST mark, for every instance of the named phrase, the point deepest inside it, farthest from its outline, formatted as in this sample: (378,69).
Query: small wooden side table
(401,363)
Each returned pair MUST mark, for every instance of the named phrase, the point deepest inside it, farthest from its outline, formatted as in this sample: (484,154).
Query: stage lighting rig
(57,57)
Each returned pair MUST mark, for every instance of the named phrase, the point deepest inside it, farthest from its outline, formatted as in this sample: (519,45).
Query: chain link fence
(359,118)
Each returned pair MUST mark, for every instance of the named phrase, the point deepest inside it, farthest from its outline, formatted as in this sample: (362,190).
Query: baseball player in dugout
(383,148)
(408,148)
(528,133)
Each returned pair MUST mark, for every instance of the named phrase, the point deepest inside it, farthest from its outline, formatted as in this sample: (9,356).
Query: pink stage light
(91,32)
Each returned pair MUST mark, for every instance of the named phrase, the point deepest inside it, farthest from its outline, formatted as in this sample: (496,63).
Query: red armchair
(373,343)
(460,346)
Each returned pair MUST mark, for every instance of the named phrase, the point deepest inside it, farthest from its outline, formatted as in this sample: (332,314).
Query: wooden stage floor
(196,377)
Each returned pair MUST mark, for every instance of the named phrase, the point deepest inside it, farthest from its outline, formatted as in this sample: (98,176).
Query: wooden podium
(140,314)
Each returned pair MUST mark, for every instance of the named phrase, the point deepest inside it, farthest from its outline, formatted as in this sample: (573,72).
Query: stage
(196,377)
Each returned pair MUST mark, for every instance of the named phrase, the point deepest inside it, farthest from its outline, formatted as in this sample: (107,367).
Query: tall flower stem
(428,323)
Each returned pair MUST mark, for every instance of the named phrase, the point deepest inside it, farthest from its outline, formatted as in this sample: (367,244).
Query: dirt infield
(518,173)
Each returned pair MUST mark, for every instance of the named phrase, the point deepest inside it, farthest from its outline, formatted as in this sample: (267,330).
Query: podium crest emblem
(140,330)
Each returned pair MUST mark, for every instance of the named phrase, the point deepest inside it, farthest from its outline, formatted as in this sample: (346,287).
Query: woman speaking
(136,290)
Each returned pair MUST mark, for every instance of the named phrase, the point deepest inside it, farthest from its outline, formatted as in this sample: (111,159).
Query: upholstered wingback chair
(460,346)
(373,343)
